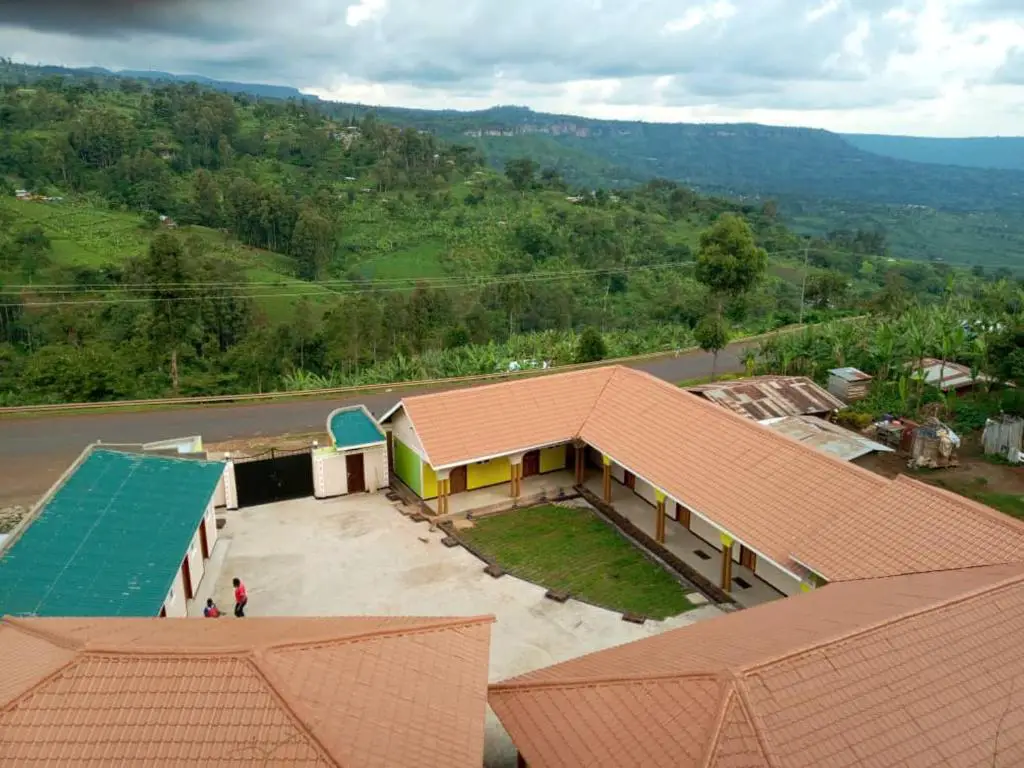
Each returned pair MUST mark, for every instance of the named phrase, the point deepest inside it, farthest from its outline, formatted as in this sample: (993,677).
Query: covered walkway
(495,498)
(685,545)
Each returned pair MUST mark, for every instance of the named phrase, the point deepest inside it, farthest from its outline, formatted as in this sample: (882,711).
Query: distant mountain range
(952,199)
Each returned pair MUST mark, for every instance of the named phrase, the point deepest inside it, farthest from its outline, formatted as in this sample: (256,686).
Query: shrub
(591,347)
(853,419)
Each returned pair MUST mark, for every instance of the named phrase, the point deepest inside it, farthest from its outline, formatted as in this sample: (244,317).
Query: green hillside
(1006,152)
(310,247)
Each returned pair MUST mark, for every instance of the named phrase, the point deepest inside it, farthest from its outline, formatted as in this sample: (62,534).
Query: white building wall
(330,476)
(618,472)
(220,494)
(210,521)
(230,489)
(330,471)
(775,576)
(196,566)
(645,491)
(175,605)
(401,429)
(701,527)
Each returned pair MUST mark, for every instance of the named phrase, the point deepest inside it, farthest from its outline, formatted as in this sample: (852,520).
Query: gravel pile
(10,517)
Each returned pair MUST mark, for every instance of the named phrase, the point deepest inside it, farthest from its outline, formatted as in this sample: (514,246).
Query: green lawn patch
(1009,503)
(571,549)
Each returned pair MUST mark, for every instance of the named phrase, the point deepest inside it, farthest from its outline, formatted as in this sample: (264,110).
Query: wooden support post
(515,485)
(659,523)
(442,496)
(580,458)
(606,462)
(727,542)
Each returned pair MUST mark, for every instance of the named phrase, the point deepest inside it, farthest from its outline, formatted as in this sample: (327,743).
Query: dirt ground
(251,446)
(974,470)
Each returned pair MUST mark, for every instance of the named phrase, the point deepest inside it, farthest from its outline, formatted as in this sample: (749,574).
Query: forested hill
(160,237)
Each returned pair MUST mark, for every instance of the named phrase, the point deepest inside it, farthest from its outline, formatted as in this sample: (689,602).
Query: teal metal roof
(353,427)
(110,541)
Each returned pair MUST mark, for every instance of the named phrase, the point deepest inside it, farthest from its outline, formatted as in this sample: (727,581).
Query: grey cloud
(1012,71)
(105,18)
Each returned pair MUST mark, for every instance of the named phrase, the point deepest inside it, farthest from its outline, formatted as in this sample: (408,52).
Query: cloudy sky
(925,67)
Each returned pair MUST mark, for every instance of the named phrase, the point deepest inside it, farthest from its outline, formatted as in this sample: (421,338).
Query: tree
(31,249)
(712,336)
(826,289)
(206,206)
(591,346)
(312,243)
(164,275)
(729,261)
(521,172)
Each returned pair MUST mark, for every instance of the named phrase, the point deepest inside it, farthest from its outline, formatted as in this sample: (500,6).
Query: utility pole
(803,287)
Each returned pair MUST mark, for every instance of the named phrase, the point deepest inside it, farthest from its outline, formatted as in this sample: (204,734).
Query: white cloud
(940,67)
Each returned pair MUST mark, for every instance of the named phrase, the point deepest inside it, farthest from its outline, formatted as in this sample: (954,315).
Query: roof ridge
(763,742)
(25,625)
(941,604)
(533,375)
(542,685)
(114,449)
(430,624)
(254,662)
(614,369)
(712,743)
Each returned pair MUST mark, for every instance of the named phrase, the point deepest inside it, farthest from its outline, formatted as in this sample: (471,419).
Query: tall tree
(712,336)
(164,274)
(522,172)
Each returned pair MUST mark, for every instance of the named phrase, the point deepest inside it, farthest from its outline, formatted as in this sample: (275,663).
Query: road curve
(34,451)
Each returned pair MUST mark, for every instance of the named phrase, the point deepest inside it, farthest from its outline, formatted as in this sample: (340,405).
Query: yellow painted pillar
(659,524)
(727,542)
(606,462)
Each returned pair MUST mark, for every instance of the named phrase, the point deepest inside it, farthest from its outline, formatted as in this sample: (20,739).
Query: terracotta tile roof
(770,397)
(767,490)
(910,527)
(468,424)
(880,672)
(359,691)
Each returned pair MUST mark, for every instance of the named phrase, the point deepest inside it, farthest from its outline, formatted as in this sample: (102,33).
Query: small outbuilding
(357,459)
(122,534)
(1003,436)
(849,384)
(770,397)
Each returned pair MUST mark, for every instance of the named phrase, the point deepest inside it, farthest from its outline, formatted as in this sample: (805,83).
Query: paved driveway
(358,555)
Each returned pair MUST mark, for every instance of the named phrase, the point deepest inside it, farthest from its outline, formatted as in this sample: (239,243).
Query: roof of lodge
(769,397)
(769,491)
(110,539)
(359,691)
(878,672)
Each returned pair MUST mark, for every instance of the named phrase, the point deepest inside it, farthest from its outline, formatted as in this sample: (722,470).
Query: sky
(914,67)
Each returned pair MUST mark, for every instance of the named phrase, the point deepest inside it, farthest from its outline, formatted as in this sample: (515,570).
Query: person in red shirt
(211,611)
(241,598)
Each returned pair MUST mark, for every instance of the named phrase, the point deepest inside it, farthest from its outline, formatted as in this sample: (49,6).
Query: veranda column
(443,490)
(606,462)
(580,458)
(516,484)
(659,523)
(727,542)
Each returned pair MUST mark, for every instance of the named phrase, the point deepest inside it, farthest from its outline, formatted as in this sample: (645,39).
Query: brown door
(186,577)
(163,611)
(354,468)
(747,558)
(683,515)
(204,545)
(391,454)
(531,464)
(570,456)
(457,479)
(629,480)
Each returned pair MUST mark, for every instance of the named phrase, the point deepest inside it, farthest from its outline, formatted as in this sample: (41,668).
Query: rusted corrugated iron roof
(770,397)
(850,374)
(952,376)
(826,437)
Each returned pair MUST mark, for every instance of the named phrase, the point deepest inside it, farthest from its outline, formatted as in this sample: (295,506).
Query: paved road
(34,451)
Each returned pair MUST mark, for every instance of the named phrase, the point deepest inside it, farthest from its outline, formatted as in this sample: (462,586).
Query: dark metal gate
(273,476)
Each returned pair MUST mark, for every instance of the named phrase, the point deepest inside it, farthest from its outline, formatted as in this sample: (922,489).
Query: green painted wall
(408,467)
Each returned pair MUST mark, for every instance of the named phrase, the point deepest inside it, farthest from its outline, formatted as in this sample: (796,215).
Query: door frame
(204,544)
(360,459)
(531,460)
(683,515)
(748,558)
(462,475)
(186,578)
(629,479)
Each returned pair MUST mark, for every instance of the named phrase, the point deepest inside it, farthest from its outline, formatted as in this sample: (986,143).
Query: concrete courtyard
(358,555)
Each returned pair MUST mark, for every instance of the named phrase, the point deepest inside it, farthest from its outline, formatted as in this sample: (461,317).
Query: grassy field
(573,550)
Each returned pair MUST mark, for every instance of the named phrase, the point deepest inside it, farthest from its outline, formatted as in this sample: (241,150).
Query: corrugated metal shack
(948,376)
(1003,435)
(826,437)
(849,384)
(770,397)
